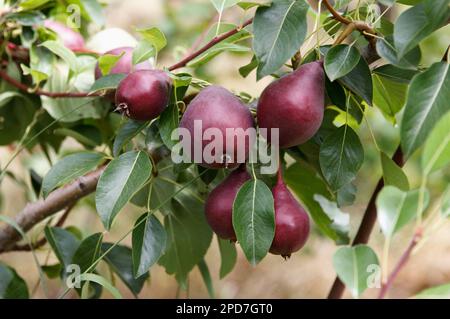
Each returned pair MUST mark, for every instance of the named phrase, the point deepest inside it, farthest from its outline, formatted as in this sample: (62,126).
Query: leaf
(120,260)
(108,61)
(32,4)
(254,220)
(168,122)
(352,265)
(427,101)
(149,243)
(88,252)
(126,133)
(37,76)
(395,73)
(416,23)
(386,49)
(340,60)
(393,174)
(143,51)
(388,96)
(189,237)
(6,97)
(122,178)
(64,53)
(247,69)
(279,30)
(306,184)
(102,282)
(63,243)
(228,257)
(341,220)
(359,81)
(206,276)
(246,5)
(436,153)
(12,286)
(341,156)
(52,271)
(107,82)
(154,36)
(438,292)
(68,169)
(445,203)
(26,18)
(216,50)
(397,208)
(95,11)
(85,139)
(221,5)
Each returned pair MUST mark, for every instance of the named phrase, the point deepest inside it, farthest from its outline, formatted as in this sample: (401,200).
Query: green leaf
(306,184)
(216,50)
(84,139)
(353,266)
(393,174)
(397,208)
(37,76)
(246,69)
(341,220)
(63,243)
(32,4)
(6,97)
(340,60)
(416,23)
(254,220)
(95,11)
(108,61)
(279,32)
(341,156)
(168,122)
(149,243)
(88,252)
(122,178)
(64,53)
(102,282)
(154,36)
(389,96)
(52,271)
(395,73)
(228,257)
(206,276)
(107,82)
(221,5)
(68,169)
(12,286)
(438,292)
(143,51)
(121,262)
(436,153)
(359,81)
(386,49)
(427,101)
(126,133)
(189,237)
(246,5)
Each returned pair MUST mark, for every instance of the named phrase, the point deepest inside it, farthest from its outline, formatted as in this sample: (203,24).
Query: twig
(336,14)
(209,45)
(401,263)
(26,88)
(36,212)
(366,226)
(41,242)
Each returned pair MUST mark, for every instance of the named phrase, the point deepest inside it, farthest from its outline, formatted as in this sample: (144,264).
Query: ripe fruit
(125,63)
(219,110)
(144,94)
(295,104)
(219,205)
(291,221)
(71,39)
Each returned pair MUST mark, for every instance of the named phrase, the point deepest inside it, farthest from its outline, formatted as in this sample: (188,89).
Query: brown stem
(336,14)
(36,212)
(41,242)
(347,31)
(209,45)
(366,226)
(401,263)
(26,88)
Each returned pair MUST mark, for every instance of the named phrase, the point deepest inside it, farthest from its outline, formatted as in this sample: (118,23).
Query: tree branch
(36,212)
(366,226)
(401,263)
(336,14)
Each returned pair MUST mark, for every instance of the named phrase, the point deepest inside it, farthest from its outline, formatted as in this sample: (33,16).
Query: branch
(401,263)
(43,240)
(36,212)
(366,226)
(336,14)
(209,45)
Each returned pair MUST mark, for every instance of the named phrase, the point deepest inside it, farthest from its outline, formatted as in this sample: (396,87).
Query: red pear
(219,205)
(71,39)
(294,104)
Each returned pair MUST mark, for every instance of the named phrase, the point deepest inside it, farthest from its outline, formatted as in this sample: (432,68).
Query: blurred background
(307,274)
